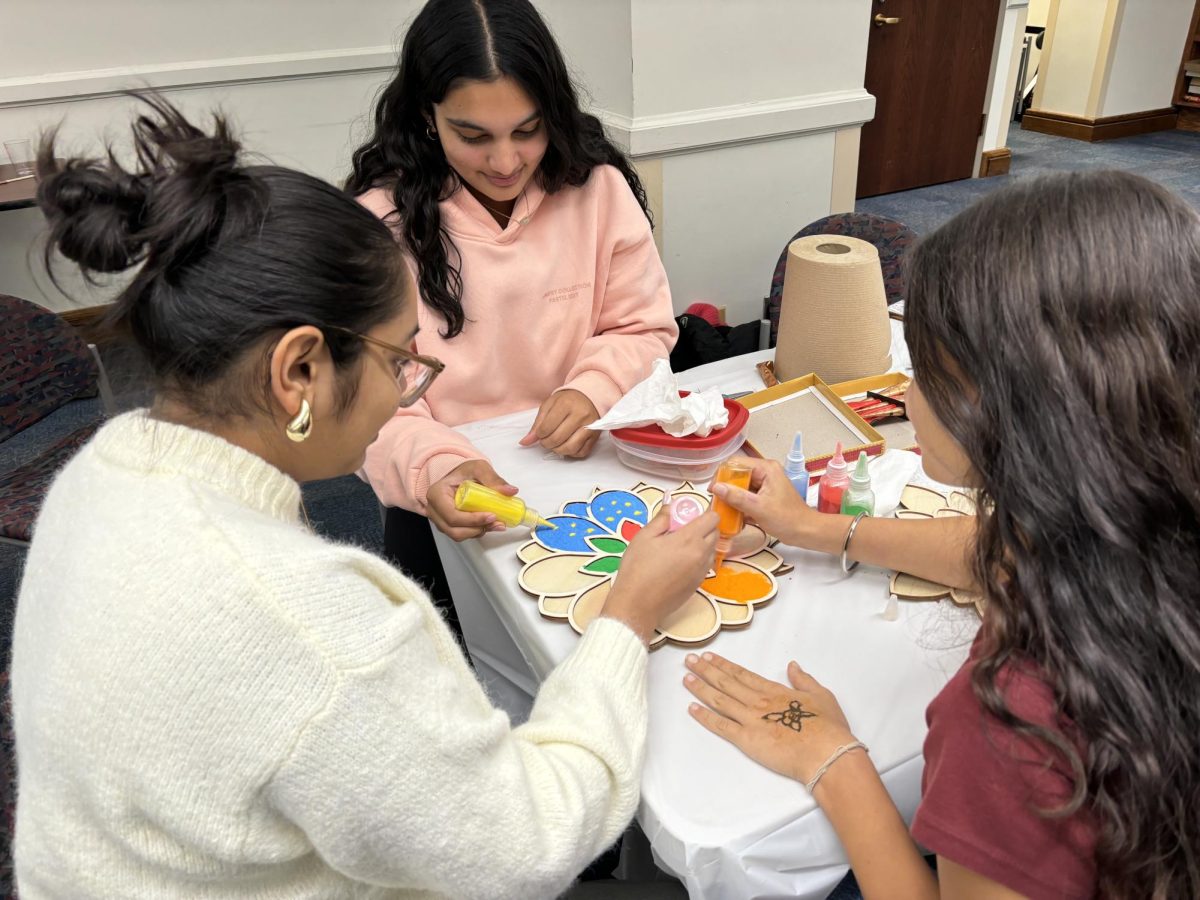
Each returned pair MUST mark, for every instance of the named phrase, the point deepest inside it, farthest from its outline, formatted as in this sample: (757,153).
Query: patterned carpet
(1169,157)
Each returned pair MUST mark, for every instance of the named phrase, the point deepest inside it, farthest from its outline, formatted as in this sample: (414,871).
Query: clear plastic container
(650,449)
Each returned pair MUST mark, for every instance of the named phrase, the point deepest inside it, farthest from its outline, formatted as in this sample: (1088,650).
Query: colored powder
(742,587)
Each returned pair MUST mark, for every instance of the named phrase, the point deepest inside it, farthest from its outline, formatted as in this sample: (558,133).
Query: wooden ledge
(84,316)
(995,162)
(1105,128)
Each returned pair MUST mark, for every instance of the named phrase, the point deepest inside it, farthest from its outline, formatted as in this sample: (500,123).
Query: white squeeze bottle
(794,467)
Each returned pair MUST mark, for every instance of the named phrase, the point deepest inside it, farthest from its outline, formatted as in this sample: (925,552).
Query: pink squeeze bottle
(833,483)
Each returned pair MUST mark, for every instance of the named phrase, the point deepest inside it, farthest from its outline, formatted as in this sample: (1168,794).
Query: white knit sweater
(211,701)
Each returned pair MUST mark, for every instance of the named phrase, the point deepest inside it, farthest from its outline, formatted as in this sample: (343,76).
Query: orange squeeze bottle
(729,520)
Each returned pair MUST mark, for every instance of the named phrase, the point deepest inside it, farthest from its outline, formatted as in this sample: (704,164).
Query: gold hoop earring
(300,427)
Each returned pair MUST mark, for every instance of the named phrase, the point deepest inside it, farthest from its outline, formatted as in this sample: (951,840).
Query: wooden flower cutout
(572,567)
(925,503)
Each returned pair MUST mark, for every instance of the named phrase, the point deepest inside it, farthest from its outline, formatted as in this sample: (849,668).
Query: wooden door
(929,74)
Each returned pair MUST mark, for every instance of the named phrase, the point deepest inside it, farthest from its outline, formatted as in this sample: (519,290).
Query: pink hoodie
(575,298)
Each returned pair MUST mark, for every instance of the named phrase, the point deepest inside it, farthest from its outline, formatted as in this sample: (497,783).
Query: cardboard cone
(833,319)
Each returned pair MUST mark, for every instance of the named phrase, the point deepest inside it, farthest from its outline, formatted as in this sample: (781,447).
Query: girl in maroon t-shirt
(1055,335)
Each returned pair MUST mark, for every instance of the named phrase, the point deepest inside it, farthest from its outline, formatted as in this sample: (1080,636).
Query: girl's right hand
(452,521)
(789,728)
(660,570)
(772,502)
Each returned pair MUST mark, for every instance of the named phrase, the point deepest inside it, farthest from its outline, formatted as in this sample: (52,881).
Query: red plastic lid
(654,436)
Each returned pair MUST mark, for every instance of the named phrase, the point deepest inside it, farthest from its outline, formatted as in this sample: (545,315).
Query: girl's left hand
(561,424)
(790,730)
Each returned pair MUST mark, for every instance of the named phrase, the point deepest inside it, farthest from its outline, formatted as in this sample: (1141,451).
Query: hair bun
(95,212)
(195,183)
(166,209)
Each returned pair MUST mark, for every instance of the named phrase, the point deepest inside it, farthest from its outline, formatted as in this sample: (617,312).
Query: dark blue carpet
(1169,157)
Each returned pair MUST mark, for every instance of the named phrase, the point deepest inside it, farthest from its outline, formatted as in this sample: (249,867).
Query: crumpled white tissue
(656,401)
(891,473)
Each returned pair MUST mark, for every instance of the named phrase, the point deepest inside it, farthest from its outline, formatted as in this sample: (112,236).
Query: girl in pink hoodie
(529,238)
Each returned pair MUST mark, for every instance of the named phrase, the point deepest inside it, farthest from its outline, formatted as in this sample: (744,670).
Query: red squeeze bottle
(833,483)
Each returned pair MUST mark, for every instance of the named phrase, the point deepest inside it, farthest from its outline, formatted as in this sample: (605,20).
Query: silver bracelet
(834,757)
(846,544)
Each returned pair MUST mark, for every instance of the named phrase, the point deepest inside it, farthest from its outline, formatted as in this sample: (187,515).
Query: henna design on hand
(791,717)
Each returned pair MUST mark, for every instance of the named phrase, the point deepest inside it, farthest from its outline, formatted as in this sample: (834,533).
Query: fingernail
(692,659)
(689,678)
(708,657)
(693,707)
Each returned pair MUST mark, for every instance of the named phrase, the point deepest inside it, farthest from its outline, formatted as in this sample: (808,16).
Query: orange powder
(742,587)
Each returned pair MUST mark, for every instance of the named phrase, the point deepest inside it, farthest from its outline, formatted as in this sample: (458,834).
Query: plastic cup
(20,153)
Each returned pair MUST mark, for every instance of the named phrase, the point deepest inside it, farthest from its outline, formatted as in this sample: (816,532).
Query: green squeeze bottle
(858,497)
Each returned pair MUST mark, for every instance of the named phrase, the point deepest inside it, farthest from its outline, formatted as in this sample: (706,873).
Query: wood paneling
(995,162)
(1104,128)
(84,316)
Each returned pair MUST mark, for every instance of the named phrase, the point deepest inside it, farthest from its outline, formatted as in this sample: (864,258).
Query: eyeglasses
(414,372)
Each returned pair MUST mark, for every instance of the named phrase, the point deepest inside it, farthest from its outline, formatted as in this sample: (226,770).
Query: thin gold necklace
(524,220)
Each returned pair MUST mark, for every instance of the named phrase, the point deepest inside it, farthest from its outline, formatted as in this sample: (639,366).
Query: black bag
(701,343)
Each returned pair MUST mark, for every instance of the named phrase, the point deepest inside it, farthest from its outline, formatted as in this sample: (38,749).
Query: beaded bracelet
(846,544)
(834,757)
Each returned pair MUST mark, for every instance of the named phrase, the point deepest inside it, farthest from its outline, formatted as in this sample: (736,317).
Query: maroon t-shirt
(984,783)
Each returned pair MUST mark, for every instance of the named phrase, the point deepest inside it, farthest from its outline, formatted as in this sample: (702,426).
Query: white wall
(739,225)
(730,109)
(1147,47)
(596,38)
(297,77)
(1002,83)
(1076,42)
(1111,57)
(695,54)
(742,104)
(1038,12)
(96,35)
(320,143)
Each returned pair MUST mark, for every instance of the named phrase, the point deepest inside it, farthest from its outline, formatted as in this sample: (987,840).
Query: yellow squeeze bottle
(474,497)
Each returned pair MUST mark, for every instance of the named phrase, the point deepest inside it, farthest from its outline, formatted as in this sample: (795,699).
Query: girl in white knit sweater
(209,699)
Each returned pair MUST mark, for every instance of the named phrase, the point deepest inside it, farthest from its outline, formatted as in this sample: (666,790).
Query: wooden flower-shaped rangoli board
(918,502)
(571,568)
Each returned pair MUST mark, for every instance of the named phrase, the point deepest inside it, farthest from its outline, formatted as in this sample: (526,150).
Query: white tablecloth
(730,829)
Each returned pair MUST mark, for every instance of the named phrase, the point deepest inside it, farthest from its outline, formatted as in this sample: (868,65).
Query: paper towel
(833,319)
(656,401)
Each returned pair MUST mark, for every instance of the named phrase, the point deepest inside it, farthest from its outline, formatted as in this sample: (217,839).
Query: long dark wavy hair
(1055,328)
(451,41)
